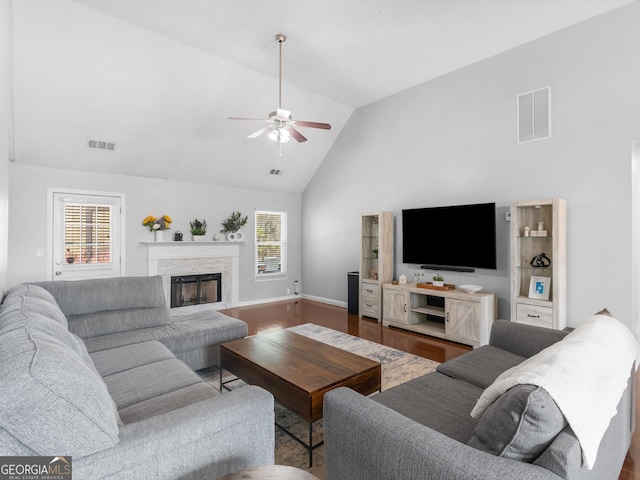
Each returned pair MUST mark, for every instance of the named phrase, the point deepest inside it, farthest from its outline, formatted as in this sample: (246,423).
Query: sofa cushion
(148,381)
(436,401)
(109,305)
(37,300)
(119,359)
(481,366)
(519,425)
(51,400)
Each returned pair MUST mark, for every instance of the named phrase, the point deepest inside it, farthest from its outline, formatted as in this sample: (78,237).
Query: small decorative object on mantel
(438,281)
(198,230)
(157,225)
(232,225)
(177,237)
(402,279)
(216,237)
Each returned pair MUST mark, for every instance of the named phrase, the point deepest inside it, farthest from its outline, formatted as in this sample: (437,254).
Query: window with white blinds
(271,243)
(87,234)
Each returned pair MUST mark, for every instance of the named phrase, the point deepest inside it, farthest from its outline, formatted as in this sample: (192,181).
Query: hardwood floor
(274,316)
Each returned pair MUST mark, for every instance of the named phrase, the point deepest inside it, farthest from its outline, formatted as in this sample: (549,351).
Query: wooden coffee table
(298,371)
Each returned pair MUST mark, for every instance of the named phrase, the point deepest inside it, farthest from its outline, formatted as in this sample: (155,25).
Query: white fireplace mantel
(158,252)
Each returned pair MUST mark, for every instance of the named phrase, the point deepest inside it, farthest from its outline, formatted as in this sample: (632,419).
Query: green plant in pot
(198,230)
(438,281)
(233,224)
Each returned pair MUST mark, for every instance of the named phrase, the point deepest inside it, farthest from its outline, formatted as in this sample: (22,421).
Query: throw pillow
(519,425)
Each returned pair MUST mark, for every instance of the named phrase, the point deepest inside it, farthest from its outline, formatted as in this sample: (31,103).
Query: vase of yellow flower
(157,225)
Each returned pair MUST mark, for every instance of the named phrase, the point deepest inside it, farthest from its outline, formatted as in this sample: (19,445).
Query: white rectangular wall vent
(101,145)
(534,115)
(275,171)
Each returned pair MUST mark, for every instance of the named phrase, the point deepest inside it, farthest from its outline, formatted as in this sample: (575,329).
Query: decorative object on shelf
(373,274)
(157,225)
(526,231)
(232,225)
(418,277)
(177,237)
(540,261)
(70,257)
(470,288)
(438,281)
(539,287)
(374,253)
(198,230)
(402,279)
(216,237)
(431,286)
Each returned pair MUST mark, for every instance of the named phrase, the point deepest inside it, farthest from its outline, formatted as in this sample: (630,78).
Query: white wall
(146,196)
(5,119)
(452,141)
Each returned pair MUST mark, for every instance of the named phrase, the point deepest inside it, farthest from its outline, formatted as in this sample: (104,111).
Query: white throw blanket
(585,374)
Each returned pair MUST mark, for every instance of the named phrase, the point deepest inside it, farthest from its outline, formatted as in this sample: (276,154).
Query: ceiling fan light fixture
(279,135)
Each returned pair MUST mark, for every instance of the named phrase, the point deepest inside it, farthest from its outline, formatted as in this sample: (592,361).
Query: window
(271,243)
(87,234)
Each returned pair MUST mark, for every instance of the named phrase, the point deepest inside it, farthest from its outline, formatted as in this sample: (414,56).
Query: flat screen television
(460,237)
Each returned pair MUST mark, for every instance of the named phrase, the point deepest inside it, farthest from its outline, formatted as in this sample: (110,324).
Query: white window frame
(283,246)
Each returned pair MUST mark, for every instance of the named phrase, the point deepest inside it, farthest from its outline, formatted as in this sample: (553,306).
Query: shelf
(429,311)
(534,301)
(529,267)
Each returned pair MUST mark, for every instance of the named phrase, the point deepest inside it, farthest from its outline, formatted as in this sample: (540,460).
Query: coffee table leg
(308,446)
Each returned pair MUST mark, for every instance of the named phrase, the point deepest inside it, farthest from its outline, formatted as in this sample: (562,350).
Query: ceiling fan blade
(257,133)
(283,114)
(303,123)
(250,119)
(296,134)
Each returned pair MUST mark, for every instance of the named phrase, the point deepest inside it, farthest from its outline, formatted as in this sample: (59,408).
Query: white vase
(438,283)
(231,237)
(159,235)
(198,238)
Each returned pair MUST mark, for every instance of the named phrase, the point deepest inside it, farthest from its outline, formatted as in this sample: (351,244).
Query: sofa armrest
(207,439)
(366,440)
(521,339)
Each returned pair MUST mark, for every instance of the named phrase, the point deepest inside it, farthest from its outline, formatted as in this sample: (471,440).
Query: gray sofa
(92,370)
(424,429)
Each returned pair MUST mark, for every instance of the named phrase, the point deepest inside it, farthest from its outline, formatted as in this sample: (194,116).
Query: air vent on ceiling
(101,145)
(534,115)
(275,171)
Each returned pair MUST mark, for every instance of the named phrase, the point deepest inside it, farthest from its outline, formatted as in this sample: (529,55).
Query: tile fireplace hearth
(170,259)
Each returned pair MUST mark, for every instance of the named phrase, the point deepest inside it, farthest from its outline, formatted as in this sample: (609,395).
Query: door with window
(86,236)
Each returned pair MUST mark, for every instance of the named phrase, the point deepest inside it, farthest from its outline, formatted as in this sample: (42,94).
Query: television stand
(448,314)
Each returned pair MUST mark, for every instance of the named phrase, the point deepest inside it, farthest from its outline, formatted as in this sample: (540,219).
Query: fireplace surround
(169,259)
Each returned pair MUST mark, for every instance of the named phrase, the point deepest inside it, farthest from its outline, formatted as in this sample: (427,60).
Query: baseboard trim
(328,301)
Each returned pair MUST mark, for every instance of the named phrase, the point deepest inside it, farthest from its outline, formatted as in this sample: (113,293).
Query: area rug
(397,367)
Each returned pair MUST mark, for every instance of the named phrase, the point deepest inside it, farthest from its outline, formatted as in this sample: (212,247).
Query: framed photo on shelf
(539,287)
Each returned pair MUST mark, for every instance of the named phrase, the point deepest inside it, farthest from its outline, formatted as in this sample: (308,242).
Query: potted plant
(374,253)
(232,225)
(198,230)
(438,281)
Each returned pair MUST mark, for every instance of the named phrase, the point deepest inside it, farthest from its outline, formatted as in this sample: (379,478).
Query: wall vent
(101,145)
(275,171)
(534,115)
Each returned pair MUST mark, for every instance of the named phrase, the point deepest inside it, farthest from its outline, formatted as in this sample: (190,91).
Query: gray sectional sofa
(101,371)
(424,428)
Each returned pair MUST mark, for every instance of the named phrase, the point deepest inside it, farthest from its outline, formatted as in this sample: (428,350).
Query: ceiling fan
(281,126)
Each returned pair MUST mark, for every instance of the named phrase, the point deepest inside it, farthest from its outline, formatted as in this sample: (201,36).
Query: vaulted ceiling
(159,78)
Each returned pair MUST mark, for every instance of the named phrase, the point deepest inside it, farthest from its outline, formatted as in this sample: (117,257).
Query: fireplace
(189,290)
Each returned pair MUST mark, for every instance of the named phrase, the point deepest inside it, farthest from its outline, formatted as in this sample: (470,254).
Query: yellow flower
(167,219)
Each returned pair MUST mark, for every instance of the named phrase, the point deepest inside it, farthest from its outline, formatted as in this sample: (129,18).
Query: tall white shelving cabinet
(539,284)
(376,261)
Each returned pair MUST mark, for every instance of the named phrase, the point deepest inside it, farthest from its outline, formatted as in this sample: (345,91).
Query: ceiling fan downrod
(281,38)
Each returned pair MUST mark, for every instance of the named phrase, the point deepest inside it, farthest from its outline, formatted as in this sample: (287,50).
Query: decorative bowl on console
(470,288)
